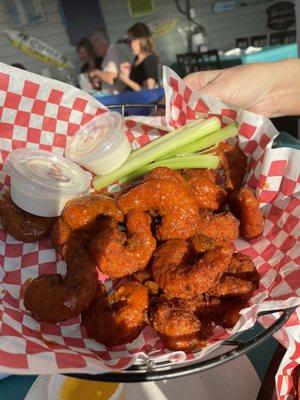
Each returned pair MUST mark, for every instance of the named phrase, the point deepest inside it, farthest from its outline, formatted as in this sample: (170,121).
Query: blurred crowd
(107,67)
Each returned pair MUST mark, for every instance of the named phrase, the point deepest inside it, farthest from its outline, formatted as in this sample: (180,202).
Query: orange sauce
(78,389)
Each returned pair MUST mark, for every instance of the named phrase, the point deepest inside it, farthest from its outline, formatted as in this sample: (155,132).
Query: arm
(105,76)
(129,82)
(149,83)
(270,89)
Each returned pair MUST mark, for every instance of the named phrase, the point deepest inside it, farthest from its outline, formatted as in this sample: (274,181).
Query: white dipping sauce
(42,182)
(101,146)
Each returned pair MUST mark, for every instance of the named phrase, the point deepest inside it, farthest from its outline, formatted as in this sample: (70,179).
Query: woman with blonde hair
(143,73)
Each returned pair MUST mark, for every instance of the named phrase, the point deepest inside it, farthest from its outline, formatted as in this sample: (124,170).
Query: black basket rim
(152,371)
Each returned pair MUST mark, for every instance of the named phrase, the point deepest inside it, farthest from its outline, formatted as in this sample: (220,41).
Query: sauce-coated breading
(234,162)
(220,227)
(117,255)
(180,279)
(171,201)
(178,326)
(245,206)
(118,318)
(82,213)
(21,224)
(53,298)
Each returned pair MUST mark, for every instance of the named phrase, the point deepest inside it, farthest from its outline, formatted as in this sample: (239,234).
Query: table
(267,54)
(272,53)
(144,96)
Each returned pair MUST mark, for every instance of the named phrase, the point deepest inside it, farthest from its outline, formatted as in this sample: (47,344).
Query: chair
(259,41)
(283,37)
(242,43)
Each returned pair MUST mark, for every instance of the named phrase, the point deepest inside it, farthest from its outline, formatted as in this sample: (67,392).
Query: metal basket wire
(152,371)
(155,371)
(123,107)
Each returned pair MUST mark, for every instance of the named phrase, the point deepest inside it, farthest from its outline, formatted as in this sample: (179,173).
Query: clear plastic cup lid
(46,172)
(96,137)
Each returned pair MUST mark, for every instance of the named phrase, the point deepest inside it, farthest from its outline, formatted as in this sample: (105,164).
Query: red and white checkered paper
(40,113)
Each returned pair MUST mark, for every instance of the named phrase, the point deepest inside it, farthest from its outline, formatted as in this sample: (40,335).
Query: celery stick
(162,139)
(185,135)
(205,142)
(194,161)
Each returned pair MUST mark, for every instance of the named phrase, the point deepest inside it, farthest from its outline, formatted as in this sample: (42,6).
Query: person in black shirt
(86,54)
(143,73)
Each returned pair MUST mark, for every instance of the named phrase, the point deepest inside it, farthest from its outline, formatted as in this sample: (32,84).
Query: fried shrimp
(225,312)
(220,227)
(201,184)
(208,173)
(231,286)
(207,193)
(82,213)
(243,267)
(60,234)
(234,162)
(240,280)
(118,256)
(178,278)
(118,318)
(178,326)
(202,243)
(171,201)
(53,298)
(22,225)
(166,173)
(245,206)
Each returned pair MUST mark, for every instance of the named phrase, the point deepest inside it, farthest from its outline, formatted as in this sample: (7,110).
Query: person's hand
(95,73)
(270,89)
(125,68)
(95,78)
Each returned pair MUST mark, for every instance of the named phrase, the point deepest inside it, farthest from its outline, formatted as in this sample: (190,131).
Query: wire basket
(124,109)
(155,371)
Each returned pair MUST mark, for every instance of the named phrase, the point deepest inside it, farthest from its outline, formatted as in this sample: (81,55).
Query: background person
(143,73)
(113,57)
(87,54)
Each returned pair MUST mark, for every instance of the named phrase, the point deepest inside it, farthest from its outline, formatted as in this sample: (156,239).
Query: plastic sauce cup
(101,146)
(43,182)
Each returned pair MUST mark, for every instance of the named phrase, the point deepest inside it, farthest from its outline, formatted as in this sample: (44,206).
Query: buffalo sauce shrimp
(171,201)
(234,163)
(118,318)
(53,298)
(21,224)
(200,183)
(180,274)
(245,206)
(220,227)
(177,324)
(82,213)
(239,280)
(116,254)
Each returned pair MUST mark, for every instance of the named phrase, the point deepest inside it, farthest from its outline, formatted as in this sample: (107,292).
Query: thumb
(198,80)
